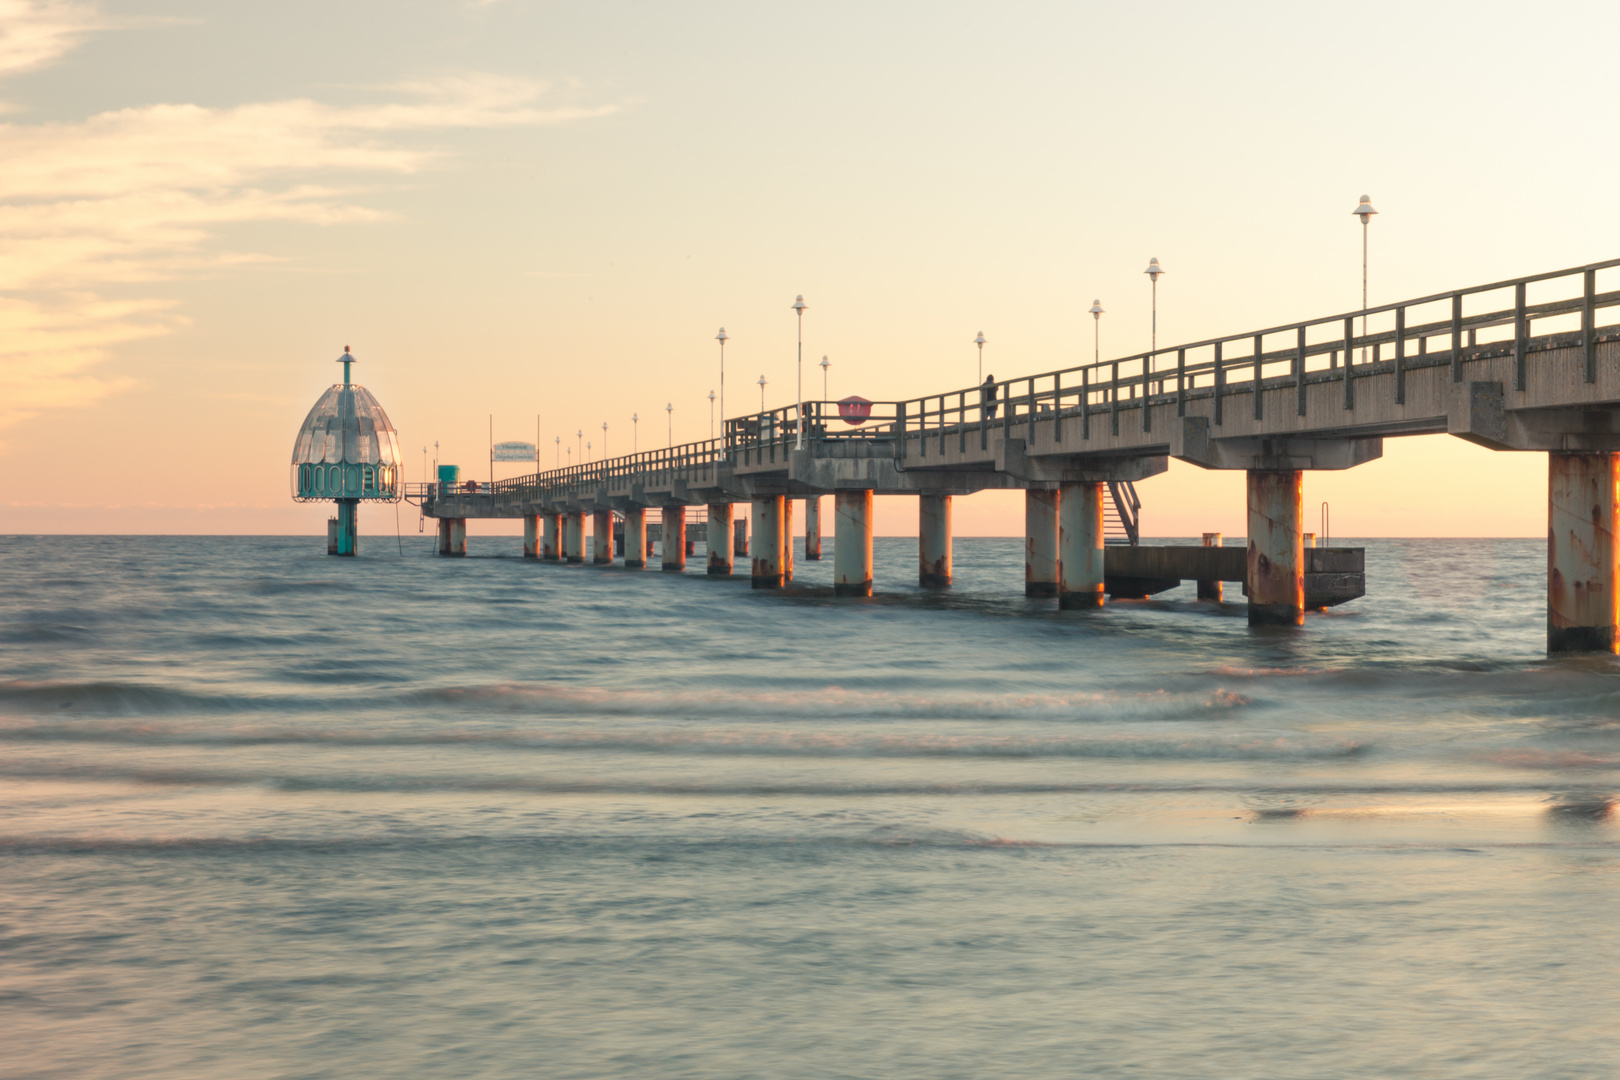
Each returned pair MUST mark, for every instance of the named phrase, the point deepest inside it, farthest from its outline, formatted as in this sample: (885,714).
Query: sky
(542,212)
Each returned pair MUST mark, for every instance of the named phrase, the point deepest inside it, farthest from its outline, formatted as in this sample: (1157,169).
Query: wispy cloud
(34,33)
(138,195)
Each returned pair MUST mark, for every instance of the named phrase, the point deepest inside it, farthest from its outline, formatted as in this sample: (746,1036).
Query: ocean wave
(713,741)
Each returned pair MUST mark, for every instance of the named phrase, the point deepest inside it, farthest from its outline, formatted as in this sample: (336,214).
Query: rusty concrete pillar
(531,536)
(1276,570)
(765,546)
(574,536)
(934,541)
(1080,546)
(673,539)
(812,528)
(787,542)
(1211,590)
(1583,605)
(602,537)
(1040,542)
(635,537)
(453,536)
(551,536)
(719,542)
(852,543)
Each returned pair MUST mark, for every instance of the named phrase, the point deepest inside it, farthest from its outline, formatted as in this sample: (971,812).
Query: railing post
(1589,326)
(1029,404)
(1220,378)
(1181,382)
(1259,381)
(1113,396)
(1349,354)
(1057,407)
(900,427)
(1518,336)
(1085,403)
(1147,413)
(1400,356)
(1456,337)
(1299,372)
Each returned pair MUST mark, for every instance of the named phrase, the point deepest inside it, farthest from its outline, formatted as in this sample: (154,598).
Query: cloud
(35,33)
(137,195)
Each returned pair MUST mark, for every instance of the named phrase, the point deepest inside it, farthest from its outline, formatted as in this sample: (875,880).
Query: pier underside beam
(1583,605)
(1080,546)
(1276,567)
(812,528)
(635,537)
(934,541)
(672,543)
(852,543)
(1040,542)
(765,546)
(602,537)
(719,542)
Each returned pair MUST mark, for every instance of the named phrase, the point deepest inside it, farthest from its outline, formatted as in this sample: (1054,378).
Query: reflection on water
(270,814)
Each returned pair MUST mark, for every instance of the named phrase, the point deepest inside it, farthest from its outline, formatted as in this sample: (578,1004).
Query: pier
(1524,365)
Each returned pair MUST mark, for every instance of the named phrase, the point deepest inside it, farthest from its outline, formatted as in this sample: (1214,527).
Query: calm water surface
(265,813)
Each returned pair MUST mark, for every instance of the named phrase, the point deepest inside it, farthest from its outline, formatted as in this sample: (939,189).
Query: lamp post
(1153,271)
(1364,210)
(762,393)
(669,409)
(825,364)
(798,306)
(635,433)
(587,451)
(1096,332)
(711,414)
(559,451)
(579,437)
(979,341)
(722,337)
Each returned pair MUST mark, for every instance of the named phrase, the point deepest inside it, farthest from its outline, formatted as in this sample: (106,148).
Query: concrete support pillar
(1276,571)
(531,536)
(934,541)
(635,537)
(551,537)
(1211,590)
(452,536)
(852,543)
(719,542)
(673,544)
(347,533)
(602,537)
(574,536)
(1040,542)
(787,541)
(765,546)
(1583,605)
(739,546)
(1081,558)
(812,528)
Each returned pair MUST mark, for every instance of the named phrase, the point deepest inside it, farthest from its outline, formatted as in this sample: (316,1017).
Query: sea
(269,813)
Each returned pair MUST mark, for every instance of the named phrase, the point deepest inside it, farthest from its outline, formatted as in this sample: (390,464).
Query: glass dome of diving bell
(346,448)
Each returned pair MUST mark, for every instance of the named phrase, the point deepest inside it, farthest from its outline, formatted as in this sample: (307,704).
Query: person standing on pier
(987,396)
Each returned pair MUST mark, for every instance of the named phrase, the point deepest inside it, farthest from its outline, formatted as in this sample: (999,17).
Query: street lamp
(798,306)
(979,341)
(670,410)
(1153,271)
(587,451)
(579,437)
(711,414)
(722,338)
(1096,331)
(825,364)
(604,440)
(1364,210)
(559,451)
(762,393)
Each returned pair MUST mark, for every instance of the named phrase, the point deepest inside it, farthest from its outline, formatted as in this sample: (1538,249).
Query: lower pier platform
(1333,575)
